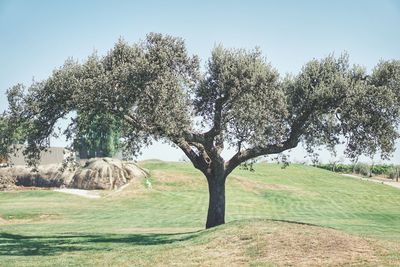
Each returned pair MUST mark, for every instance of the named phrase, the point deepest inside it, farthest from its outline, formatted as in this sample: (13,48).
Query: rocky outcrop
(96,173)
(105,173)
(45,176)
(7,182)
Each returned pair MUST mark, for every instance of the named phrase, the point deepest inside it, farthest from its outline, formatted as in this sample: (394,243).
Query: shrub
(394,172)
(380,169)
(363,169)
(328,167)
(344,168)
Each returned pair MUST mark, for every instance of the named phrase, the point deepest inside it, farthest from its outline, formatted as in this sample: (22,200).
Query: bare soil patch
(257,186)
(36,219)
(3,221)
(175,178)
(282,244)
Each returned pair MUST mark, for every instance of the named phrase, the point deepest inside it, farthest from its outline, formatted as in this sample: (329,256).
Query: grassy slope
(140,225)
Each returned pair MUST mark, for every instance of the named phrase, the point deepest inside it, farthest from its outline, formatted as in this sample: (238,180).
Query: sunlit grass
(42,227)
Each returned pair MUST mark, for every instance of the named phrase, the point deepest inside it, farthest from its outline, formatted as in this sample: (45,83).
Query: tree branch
(254,152)
(197,160)
(217,127)
(296,130)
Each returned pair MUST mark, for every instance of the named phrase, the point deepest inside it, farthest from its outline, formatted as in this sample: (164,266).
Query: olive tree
(158,92)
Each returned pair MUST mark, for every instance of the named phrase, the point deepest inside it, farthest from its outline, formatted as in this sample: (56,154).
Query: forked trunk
(216,206)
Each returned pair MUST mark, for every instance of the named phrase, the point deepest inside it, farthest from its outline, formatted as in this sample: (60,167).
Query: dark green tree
(157,91)
(5,140)
(97,135)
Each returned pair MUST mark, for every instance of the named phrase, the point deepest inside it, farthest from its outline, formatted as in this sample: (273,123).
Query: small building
(53,155)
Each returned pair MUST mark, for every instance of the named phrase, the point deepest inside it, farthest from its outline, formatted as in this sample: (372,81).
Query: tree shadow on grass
(48,245)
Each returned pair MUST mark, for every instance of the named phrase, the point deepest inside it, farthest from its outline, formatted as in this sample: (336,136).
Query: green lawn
(141,226)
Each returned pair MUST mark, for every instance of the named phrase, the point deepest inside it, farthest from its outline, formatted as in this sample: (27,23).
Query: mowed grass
(355,222)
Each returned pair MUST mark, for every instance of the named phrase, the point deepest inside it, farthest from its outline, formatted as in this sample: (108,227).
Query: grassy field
(340,221)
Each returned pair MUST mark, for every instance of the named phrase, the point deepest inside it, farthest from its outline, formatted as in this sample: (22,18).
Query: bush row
(389,170)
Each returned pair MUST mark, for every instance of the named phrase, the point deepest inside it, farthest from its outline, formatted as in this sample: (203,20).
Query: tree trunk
(216,206)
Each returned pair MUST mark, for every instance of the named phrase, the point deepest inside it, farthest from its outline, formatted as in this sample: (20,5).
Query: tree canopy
(158,92)
(13,131)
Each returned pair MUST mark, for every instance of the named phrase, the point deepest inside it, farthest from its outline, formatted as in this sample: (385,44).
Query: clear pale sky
(37,36)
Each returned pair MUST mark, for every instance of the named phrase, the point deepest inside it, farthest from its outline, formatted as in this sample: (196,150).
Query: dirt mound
(105,173)
(305,245)
(275,243)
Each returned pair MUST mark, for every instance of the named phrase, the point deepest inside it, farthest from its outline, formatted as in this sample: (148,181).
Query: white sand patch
(79,192)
